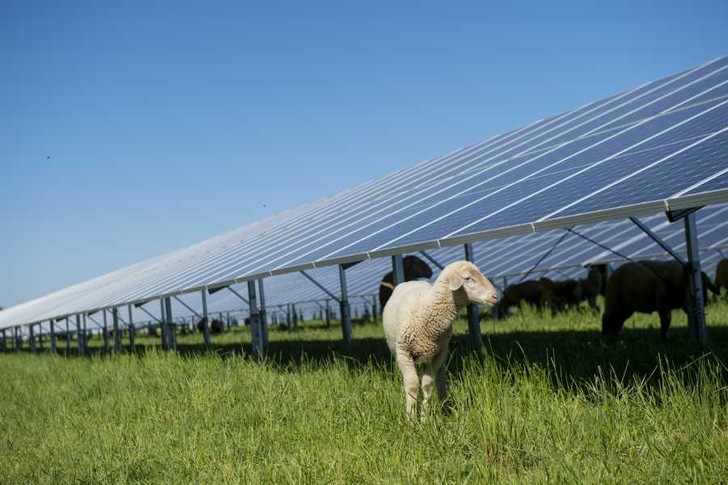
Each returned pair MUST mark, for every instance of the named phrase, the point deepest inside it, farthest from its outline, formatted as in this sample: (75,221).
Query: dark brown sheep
(526,291)
(591,287)
(560,295)
(215,326)
(414,268)
(721,275)
(646,287)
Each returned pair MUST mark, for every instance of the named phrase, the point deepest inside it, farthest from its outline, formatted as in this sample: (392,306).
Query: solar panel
(512,257)
(656,147)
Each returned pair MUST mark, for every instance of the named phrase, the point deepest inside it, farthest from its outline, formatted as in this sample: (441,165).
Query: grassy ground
(544,400)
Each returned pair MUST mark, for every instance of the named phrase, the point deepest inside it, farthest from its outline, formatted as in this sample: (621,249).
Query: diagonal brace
(432,260)
(186,306)
(658,240)
(320,286)
(153,317)
(237,294)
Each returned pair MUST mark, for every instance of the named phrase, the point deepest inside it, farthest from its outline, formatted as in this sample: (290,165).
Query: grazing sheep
(721,275)
(418,325)
(560,295)
(528,291)
(214,325)
(591,287)
(646,287)
(414,268)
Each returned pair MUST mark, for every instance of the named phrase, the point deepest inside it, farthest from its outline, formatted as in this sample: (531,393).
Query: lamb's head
(464,278)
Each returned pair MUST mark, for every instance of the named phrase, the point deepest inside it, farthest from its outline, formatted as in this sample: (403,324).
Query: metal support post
(105,332)
(169,324)
(255,324)
(132,330)
(263,316)
(68,338)
(375,310)
(53,337)
(328,314)
(398,269)
(696,304)
(205,321)
(163,323)
(473,317)
(344,307)
(80,335)
(5,342)
(31,338)
(294,314)
(117,334)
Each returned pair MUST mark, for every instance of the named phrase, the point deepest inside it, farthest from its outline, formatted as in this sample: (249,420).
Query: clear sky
(128,129)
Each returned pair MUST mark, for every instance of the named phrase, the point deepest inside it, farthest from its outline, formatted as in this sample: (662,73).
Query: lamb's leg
(435,371)
(411,382)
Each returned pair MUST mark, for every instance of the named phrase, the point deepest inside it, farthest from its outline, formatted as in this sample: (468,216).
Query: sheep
(414,268)
(559,295)
(721,275)
(418,325)
(646,287)
(591,287)
(214,325)
(528,291)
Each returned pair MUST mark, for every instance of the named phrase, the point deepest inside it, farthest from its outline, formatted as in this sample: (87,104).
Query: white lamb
(418,324)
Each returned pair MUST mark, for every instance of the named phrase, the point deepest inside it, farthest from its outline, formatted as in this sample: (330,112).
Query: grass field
(544,400)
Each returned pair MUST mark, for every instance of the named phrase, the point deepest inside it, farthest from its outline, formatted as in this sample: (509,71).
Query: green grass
(544,400)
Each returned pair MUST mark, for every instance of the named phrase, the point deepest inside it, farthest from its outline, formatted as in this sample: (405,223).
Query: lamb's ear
(455,282)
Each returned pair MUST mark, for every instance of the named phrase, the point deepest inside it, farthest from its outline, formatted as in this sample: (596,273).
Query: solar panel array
(514,257)
(661,146)
(554,254)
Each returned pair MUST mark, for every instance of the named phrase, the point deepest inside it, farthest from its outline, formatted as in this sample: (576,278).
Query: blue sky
(128,129)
